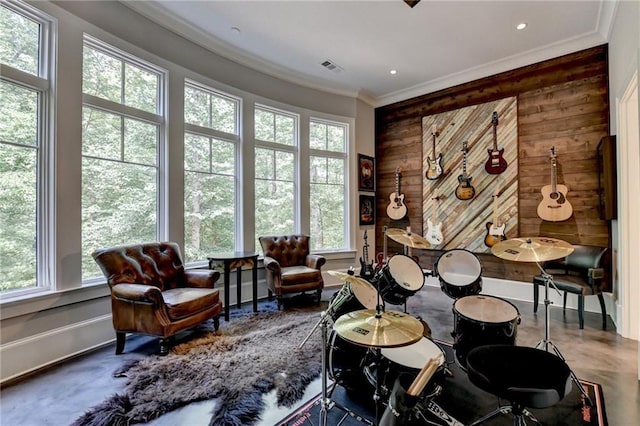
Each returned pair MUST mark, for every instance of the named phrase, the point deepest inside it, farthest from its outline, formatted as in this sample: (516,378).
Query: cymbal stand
(546,343)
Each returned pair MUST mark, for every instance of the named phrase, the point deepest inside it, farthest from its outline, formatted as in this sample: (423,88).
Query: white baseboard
(41,350)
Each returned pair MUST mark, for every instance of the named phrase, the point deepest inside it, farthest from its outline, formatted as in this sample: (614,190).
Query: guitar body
(396,209)
(366,269)
(495,234)
(496,163)
(379,263)
(554,206)
(434,233)
(435,167)
(464,190)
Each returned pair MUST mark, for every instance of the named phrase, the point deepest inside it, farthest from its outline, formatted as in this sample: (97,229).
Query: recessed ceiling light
(521,26)
(393,72)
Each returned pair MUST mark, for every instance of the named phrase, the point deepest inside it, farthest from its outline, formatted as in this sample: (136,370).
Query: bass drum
(353,298)
(405,359)
(345,363)
(459,272)
(400,278)
(482,320)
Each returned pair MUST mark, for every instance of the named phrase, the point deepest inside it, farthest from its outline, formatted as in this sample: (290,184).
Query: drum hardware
(540,249)
(459,272)
(348,277)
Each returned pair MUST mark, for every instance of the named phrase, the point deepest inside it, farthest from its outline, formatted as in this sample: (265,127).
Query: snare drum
(406,359)
(400,278)
(459,272)
(483,320)
(353,298)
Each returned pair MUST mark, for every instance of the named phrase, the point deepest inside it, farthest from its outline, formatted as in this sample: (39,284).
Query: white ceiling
(434,45)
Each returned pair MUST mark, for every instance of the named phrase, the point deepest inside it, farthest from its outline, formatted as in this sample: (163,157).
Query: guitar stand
(546,343)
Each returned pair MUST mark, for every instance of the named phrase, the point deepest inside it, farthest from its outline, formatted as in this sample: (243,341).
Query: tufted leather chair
(152,293)
(290,268)
(584,272)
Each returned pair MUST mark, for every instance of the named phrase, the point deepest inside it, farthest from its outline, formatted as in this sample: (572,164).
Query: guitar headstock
(553,153)
(494,118)
(434,130)
(496,192)
(464,146)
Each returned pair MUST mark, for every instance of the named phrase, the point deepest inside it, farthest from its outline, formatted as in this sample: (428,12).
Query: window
(25,148)
(328,189)
(122,134)
(276,137)
(210,151)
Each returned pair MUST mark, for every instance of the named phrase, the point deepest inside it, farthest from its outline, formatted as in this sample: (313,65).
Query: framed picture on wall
(367,209)
(366,173)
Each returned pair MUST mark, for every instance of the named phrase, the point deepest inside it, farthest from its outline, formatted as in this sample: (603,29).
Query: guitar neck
(554,176)
(495,211)
(495,137)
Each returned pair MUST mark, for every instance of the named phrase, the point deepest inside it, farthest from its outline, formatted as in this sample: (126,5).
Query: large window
(210,151)
(276,138)
(25,147)
(122,134)
(328,185)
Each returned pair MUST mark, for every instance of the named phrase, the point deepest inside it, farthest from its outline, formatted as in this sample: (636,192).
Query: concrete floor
(62,393)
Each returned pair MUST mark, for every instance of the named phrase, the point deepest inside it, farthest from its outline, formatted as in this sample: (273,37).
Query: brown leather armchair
(584,272)
(152,293)
(289,266)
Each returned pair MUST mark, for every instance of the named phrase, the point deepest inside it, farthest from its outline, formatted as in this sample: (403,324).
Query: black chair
(526,377)
(584,272)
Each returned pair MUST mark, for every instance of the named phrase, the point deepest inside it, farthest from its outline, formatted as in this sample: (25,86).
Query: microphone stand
(546,343)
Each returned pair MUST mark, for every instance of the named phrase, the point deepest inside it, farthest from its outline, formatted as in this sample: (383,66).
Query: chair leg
(121,338)
(319,295)
(581,311)
(164,346)
(535,297)
(604,311)
(270,295)
(564,303)
(216,322)
(279,299)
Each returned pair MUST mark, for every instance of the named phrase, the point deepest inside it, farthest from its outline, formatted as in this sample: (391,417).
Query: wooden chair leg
(270,295)
(216,322)
(535,297)
(121,338)
(604,311)
(164,346)
(319,295)
(279,299)
(564,303)
(581,310)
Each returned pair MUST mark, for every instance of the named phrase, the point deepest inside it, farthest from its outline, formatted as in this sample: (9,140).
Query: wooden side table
(236,260)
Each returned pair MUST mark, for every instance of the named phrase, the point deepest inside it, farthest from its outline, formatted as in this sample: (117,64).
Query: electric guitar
(396,209)
(435,163)
(495,229)
(496,163)
(464,190)
(434,228)
(380,257)
(366,268)
(554,206)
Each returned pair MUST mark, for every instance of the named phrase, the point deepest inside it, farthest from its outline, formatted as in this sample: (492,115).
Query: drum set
(370,348)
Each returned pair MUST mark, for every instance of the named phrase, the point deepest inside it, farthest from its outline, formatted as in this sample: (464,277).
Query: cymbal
(408,239)
(392,329)
(351,279)
(532,249)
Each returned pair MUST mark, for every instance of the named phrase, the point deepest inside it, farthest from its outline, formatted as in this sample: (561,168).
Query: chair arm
(315,261)
(201,278)
(272,265)
(595,274)
(138,293)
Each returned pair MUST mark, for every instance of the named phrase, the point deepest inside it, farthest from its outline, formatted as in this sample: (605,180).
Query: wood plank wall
(562,102)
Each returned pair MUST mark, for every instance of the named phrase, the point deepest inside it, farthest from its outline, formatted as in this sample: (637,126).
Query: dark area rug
(459,398)
(249,356)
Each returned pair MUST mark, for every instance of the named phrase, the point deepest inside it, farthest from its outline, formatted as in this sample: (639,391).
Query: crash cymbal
(532,249)
(351,279)
(408,239)
(389,330)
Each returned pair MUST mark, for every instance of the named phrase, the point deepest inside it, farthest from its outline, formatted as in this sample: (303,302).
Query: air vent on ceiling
(331,66)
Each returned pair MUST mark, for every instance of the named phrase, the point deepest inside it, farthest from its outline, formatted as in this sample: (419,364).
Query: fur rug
(251,355)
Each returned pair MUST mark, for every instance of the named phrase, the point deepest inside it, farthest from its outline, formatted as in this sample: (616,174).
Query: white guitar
(396,209)
(434,228)
(495,229)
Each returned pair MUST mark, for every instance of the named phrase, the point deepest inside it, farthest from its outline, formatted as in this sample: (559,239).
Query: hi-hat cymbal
(390,330)
(408,239)
(351,279)
(532,249)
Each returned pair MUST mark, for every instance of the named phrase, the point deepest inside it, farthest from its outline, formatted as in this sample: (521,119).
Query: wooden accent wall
(562,102)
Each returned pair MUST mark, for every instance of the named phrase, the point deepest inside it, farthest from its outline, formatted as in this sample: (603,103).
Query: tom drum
(400,278)
(459,272)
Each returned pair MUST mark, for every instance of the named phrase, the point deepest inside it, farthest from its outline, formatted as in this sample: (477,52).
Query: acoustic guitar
(554,206)
(434,228)
(464,190)
(366,267)
(435,163)
(495,229)
(396,209)
(496,163)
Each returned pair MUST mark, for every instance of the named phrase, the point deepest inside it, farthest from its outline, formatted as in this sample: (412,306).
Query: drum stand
(546,343)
